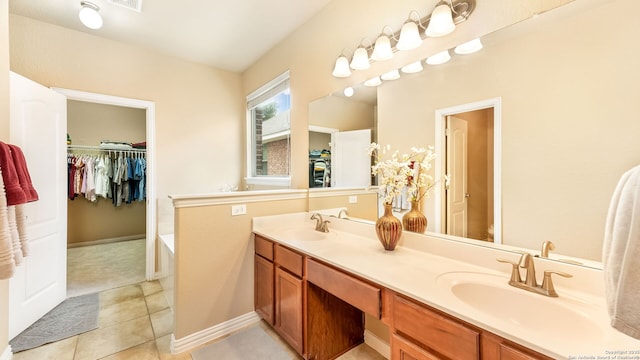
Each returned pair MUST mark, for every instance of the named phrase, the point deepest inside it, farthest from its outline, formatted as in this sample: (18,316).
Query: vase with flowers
(419,185)
(395,173)
(392,178)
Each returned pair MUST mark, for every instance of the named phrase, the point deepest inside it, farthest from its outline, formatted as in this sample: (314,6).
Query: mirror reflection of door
(469,163)
(351,163)
(457,192)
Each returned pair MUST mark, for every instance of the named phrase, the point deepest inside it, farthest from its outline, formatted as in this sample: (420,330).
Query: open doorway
(468,138)
(138,239)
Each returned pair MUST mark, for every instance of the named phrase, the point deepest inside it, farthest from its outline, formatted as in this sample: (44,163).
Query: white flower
(400,171)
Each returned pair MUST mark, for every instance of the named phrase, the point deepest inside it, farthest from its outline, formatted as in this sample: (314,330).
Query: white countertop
(419,268)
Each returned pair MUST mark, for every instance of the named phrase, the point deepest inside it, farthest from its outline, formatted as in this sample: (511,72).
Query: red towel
(23,173)
(13,190)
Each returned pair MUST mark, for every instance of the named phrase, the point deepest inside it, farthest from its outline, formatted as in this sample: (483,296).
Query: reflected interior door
(38,122)
(350,163)
(457,192)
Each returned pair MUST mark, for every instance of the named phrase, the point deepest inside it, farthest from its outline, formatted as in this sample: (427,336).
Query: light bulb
(469,47)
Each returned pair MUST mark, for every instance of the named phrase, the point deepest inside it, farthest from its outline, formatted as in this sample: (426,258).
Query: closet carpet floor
(135,321)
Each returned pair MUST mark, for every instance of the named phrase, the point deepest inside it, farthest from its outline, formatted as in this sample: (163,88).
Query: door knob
(467,195)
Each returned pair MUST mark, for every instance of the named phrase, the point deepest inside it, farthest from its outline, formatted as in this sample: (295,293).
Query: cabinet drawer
(353,291)
(264,247)
(437,332)
(289,260)
(402,349)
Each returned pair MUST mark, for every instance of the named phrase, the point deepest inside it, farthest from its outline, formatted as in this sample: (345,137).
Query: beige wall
(214,262)
(199,109)
(366,207)
(568,129)
(4,136)
(88,124)
(342,114)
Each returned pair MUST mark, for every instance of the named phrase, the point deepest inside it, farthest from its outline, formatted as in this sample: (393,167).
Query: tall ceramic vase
(414,220)
(388,229)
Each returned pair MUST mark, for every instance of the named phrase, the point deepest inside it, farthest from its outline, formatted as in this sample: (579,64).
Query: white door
(457,169)
(38,125)
(350,163)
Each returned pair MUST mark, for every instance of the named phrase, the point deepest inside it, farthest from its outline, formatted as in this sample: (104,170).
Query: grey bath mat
(72,317)
(250,344)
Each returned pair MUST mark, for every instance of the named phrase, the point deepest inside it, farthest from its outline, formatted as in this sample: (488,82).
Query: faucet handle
(324,226)
(547,283)
(515,271)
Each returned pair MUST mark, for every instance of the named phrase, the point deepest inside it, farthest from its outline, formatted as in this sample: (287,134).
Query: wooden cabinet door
(495,347)
(289,308)
(264,289)
(402,349)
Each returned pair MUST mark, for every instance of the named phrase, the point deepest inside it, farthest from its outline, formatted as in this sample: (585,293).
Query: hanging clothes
(117,175)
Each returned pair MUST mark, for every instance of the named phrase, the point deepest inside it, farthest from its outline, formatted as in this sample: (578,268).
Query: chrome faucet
(342,212)
(530,283)
(321,224)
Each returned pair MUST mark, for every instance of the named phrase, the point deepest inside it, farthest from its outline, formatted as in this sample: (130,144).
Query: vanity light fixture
(441,21)
(373,82)
(409,34)
(360,60)
(439,58)
(341,68)
(382,48)
(414,67)
(391,75)
(89,15)
(469,47)
(348,91)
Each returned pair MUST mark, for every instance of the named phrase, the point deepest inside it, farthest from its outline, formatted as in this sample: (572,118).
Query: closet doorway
(128,230)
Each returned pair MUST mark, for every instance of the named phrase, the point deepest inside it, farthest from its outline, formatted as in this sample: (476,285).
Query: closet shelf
(98,148)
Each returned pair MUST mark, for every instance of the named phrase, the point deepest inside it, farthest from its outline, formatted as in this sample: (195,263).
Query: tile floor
(135,321)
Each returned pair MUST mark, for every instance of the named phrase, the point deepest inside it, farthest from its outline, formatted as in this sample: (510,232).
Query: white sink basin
(492,296)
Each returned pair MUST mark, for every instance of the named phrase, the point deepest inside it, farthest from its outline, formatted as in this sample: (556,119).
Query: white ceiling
(229,35)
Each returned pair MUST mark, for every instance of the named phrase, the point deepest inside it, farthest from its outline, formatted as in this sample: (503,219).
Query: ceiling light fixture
(441,21)
(469,47)
(439,58)
(89,15)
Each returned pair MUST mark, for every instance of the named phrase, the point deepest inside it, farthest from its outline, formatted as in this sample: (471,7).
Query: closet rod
(98,148)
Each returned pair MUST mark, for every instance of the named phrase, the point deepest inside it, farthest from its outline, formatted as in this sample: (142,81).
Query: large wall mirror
(568,81)
(340,126)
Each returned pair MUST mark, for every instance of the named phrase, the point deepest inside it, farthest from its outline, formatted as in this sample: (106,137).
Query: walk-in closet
(106,207)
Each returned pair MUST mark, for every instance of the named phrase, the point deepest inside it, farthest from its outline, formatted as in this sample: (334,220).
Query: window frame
(265,92)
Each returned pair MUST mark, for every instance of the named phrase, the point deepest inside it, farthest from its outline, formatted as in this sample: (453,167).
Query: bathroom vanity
(314,288)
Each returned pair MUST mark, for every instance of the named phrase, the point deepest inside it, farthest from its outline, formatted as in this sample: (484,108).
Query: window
(269,133)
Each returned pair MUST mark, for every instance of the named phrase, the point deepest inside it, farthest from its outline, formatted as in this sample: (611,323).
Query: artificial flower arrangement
(400,171)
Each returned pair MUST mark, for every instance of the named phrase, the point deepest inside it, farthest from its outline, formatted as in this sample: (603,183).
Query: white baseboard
(377,344)
(7,354)
(201,337)
(106,241)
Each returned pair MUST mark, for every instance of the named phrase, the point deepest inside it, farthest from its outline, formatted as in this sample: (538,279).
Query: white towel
(7,262)
(621,255)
